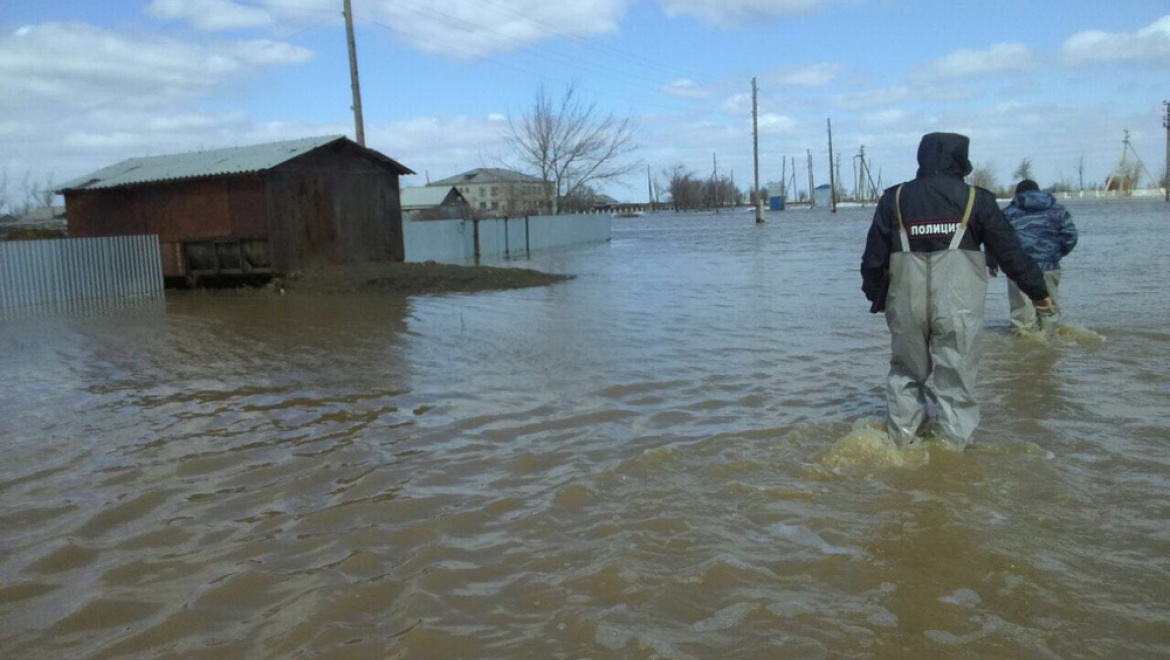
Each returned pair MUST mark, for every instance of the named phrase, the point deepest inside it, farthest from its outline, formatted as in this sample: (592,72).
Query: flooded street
(643,462)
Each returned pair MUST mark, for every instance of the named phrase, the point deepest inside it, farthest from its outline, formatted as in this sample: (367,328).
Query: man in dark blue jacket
(1047,234)
(924,267)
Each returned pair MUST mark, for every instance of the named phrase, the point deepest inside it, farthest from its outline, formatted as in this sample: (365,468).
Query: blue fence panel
(62,272)
(444,241)
(453,241)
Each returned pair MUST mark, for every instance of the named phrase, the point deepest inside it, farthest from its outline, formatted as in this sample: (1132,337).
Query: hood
(944,153)
(1035,200)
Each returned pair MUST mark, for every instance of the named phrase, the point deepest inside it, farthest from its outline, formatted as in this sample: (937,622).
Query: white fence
(467,241)
(67,271)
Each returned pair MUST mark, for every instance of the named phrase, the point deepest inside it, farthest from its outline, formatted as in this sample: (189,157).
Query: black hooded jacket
(936,198)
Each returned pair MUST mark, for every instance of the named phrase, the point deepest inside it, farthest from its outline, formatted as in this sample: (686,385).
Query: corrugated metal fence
(466,241)
(67,271)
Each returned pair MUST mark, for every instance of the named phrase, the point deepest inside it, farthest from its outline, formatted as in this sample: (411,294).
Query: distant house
(434,203)
(40,222)
(249,211)
(499,192)
(47,216)
(600,202)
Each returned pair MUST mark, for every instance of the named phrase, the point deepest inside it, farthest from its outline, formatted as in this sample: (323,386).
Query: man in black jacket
(924,268)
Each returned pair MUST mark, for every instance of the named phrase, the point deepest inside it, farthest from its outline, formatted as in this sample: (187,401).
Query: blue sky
(87,83)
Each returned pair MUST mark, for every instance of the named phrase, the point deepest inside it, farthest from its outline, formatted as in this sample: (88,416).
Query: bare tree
(1023,170)
(583,198)
(983,176)
(719,192)
(686,192)
(572,145)
(31,195)
(1063,185)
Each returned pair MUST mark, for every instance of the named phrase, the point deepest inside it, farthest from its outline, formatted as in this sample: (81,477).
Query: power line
(569,63)
(506,42)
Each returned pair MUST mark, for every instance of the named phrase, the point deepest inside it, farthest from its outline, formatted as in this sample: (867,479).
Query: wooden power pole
(812,198)
(1166,167)
(359,127)
(756,158)
(832,179)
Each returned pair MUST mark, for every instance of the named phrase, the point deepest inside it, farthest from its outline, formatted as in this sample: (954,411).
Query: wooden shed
(249,211)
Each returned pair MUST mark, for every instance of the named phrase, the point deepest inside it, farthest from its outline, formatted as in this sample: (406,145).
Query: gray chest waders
(935,315)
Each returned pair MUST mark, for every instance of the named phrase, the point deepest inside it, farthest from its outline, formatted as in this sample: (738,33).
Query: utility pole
(650,188)
(868,189)
(857,188)
(832,179)
(1166,167)
(756,158)
(792,188)
(714,183)
(783,178)
(840,195)
(812,198)
(862,193)
(359,128)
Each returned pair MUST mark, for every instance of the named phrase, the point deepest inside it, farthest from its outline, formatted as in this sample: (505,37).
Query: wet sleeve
(1068,234)
(875,261)
(992,262)
(1002,243)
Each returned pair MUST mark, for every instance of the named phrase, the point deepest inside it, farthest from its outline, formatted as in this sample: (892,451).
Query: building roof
(44,214)
(213,162)
(425,198)
(484,175)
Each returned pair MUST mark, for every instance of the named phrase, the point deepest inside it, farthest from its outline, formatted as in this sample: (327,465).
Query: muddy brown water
(636,463)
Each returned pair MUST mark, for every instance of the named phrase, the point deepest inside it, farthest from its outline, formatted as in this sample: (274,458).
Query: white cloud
(263,52)
(469,29)
(1149,45)
(81,97)
(737,104)
(72,64)
(773,123)
(997,59)
(812,75)
(731,13)
(457,29)
(210,14)
(873,98)
(889,117)
(686,89)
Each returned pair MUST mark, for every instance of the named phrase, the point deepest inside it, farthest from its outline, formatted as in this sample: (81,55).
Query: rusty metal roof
(486,175)
(199,164)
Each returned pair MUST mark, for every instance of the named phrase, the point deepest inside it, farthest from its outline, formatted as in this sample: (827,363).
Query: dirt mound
(413,278)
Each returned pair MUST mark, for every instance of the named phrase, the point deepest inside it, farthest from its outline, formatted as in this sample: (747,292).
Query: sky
(1059,83)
